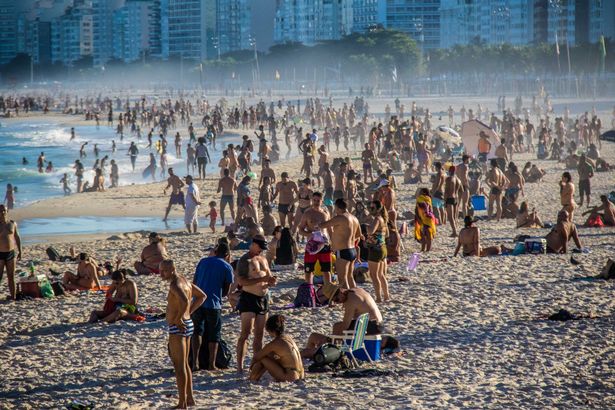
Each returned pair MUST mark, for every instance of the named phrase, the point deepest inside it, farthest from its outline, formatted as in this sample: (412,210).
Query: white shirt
(192,189)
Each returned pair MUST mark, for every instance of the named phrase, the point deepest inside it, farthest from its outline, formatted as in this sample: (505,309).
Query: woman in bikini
(280,357)
(305,198)
(377,233)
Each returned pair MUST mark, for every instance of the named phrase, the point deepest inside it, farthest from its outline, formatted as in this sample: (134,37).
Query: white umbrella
(448,134)
(470,131)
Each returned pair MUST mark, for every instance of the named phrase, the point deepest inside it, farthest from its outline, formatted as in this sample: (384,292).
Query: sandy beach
(473,331)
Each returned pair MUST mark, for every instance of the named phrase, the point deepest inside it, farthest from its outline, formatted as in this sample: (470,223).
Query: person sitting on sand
(280,357)
(99,183)
(469,241)
(286,250)
(121,301)
(412,175)
(562,232)
(356,301)
(86,277)
(274,242)
(152,255)
(527,219)
(607,216)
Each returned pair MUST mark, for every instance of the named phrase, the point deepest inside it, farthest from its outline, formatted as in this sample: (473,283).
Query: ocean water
(29,138)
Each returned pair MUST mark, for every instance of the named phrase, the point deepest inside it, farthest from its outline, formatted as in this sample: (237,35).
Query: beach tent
(448,134)
(469,135)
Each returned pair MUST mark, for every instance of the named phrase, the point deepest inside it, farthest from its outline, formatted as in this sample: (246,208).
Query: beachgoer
(280,357)
(151,256)
(497,181)
(424,220)
(607,215)
(213,216)
(183,299)
(377,232)
(254,277)
(314,216)
(563,231)
(286,192)
(585,168)
(228,186)
(9,197)
(177,196)
(567,194)
(202,158)
(10,242)
(86,277)
(193,202)
(452,191)
(121,301)
(213,275)
(527,219)
(469,241)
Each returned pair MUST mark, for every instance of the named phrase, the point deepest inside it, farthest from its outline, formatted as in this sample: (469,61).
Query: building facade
(419,19)
(367,14)
(131,30)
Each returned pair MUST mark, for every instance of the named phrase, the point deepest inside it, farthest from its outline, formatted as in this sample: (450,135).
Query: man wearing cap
(356,302)
(254,298)
(193,201)
(213,276)
(177,196)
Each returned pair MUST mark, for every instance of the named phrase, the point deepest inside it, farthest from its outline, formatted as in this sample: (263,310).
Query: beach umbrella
(608,136)
(448,134)
(470,131)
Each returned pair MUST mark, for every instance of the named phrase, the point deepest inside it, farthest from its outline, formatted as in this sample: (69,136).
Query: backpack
(223,356)
(306,296)
(53,254)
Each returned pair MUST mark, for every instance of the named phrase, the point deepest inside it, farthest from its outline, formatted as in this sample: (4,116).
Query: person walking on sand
(193,201)
(177,196)
(228,186)
(182,300)
(202,158)
(10,241)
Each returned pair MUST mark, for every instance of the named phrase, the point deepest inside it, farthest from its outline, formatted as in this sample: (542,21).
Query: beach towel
(595,222)
(424,219)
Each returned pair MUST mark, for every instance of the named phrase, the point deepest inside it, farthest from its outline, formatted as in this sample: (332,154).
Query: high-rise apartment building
(188,21)
(131,30)
(233,25)
(367,14)
(8,31)
(419,19)
(72,34)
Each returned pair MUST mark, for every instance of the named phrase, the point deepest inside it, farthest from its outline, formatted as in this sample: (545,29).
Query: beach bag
(306,296)
(46,289)
(327,354)
(223,355)
(58,290)
(53,254)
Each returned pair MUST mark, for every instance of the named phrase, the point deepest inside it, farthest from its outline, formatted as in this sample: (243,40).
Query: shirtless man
(253,301)
(469,241)
(327,182)
(190,159)
(286,191)
(356,302)
(267,171)
(124,297)
(567,194)
(183,299)
(501,155)
(223,163)
(313,216)
(497,181)
(339,190)
(151,255)
(228,186)
(9,241)
(462,172)
(563,231)
(232,156)
(367,156)
(452,191)
(177,195)
(345,235)
(437,188)
(87,275)
(607,215)
(323,158)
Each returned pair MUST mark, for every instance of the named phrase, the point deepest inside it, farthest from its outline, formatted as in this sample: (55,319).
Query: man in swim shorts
(183,299)
(10,249)
(287,191)
(228,186)
(345,235)
(452,191)
(177,196)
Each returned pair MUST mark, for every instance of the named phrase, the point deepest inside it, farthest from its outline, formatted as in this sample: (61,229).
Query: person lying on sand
(122,299)
(86,277)
(280,357)
(562,232)
(152,255)
(607,216)
(356,301)
(469,241)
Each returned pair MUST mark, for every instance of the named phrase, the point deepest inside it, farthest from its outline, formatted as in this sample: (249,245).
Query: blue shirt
(211,276)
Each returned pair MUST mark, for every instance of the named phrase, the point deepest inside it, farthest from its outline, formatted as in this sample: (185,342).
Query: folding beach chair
(357,339)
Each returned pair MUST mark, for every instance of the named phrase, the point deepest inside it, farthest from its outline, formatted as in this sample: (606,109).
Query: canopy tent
(470,131)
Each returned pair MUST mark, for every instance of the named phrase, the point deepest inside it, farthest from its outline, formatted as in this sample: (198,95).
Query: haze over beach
(194,175)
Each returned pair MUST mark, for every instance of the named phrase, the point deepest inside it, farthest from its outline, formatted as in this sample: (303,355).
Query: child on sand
(213,216)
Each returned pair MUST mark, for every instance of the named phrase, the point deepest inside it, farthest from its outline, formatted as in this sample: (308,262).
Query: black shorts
(450,201)
(208,323)
(177,199)
(373,327)
(202,161)
(495,191)
(338,194)
(584,187)
(349,254)
(226,200)
(286,209)
(249,302)
(7,256)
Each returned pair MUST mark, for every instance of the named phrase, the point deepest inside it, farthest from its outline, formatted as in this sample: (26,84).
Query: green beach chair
(356,341)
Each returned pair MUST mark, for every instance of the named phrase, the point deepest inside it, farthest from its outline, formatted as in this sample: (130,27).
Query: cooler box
(372,345)
(31,286)
(479,203)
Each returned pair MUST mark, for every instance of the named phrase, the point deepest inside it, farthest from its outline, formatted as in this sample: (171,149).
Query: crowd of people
(342,212)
